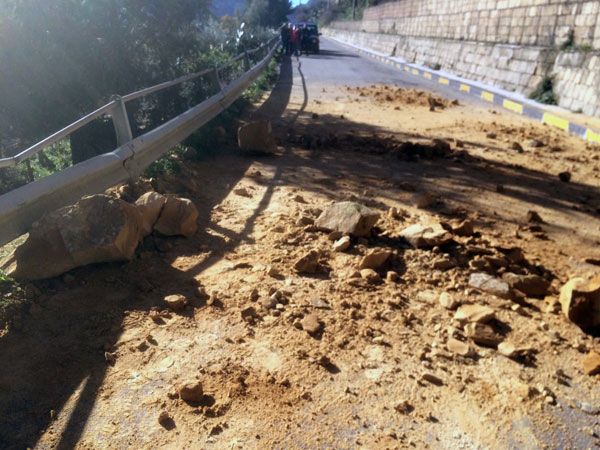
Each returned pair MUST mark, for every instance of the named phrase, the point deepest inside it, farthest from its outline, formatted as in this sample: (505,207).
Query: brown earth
(98,357)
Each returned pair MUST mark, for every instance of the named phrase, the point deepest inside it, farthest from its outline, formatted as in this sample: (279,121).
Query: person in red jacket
(295,40)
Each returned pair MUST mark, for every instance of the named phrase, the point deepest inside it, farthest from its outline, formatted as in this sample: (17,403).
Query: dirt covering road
(335,358)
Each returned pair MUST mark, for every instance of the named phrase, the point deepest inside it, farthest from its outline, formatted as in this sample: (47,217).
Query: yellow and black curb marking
(492,97)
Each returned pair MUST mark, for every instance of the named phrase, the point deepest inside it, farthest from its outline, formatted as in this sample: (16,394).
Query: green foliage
(543,93)
(164,165)
(5,279)
(267,13)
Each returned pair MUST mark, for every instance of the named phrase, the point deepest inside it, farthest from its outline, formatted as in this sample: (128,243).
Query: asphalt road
(337,64)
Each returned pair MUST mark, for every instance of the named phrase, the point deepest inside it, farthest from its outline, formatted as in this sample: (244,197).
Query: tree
(267,13)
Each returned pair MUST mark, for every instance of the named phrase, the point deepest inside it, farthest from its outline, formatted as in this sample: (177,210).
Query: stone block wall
(520,22)
(512,44)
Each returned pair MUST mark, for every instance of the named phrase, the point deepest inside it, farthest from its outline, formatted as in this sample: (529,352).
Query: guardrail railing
(23,206)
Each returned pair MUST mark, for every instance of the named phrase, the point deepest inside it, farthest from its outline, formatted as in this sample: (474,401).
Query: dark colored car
(309,36)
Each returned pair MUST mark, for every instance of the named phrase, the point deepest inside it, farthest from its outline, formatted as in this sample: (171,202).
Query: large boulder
(178,218)
(96,229)
(257,136)
(348,218)
(150,205)
(580,301)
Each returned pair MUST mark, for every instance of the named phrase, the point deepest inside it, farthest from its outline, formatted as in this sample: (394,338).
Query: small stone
(308,263)
(392,276)
(370,275)
(335,236)
(271,302)
(507,349)
(491,135)
(535,143)
(311,324)
(191,391)
(474,313)
(465,229)
(248,313)
(342,244)
(459,347)
(319,303)
(433,379)
(298,198)
(176,302)
(482,334)
(349,218)
(491,285)
(273,271)
(164,418)
(425,236)
(242,192)
(254,295)
(422,200)
(517,147)
(448,301)
(443,264)
(534,217)
(591,363)
(530,285)
(374,259)
(565,177)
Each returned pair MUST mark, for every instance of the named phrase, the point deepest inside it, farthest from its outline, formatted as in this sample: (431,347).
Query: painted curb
(476,90)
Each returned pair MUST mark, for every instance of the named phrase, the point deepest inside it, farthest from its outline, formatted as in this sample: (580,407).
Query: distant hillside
(222,7)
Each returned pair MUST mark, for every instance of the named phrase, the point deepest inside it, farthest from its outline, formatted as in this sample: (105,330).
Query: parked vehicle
(309,37)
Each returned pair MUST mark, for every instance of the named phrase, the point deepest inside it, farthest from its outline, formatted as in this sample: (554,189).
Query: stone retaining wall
(511,44)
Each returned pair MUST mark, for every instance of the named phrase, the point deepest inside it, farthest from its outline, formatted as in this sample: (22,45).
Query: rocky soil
(389,278)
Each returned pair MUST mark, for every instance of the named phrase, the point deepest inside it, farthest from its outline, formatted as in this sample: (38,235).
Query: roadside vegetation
(60,59)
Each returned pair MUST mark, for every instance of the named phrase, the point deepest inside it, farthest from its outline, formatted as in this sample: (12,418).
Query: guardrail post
(121,121)
(246,62)
(215,80)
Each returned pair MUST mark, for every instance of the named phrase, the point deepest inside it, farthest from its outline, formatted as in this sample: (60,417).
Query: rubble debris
(348,218)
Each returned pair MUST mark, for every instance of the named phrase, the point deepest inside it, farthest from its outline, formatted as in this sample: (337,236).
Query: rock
(474,313)
(491,135)
(374,259)
(257,136)
(580,301)
(591,363)
(178,218)
(433,379)
(392,276)
(465,228)
(242,192)
(348,218)
(319,303)
(517,147)
(370,275)
(422,200)
(150,206)
(191,391)
(444,263)
(458,347)
(164,418)
(271,301)
(422,236)
(74,236)
(565,177)
(491,285)
(535,143)
(509,350)
(342,245)
(308,263)
(273,271)
(448,301)
(176,302)
(530,285)
(482,334)
(335,236)
(534,217)
(248,313)
(311,324)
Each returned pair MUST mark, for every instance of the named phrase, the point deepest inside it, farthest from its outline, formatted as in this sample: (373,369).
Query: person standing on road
(295,39)
(304,40)
(285,38)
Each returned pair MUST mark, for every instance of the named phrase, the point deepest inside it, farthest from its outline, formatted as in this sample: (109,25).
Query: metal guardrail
(23,206)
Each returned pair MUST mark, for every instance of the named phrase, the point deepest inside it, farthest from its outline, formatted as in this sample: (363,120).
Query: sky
(297,2)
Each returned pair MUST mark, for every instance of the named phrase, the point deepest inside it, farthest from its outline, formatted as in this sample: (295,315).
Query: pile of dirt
(397,97)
